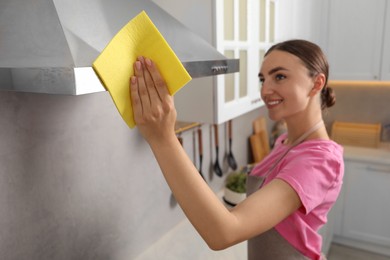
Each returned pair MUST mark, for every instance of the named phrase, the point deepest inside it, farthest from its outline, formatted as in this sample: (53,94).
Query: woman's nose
(265,88)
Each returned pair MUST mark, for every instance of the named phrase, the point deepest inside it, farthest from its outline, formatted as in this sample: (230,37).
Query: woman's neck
(297,128)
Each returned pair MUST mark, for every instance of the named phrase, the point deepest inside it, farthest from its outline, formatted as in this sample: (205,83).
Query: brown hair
(315,61)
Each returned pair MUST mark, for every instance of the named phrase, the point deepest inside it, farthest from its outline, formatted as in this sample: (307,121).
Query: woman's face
(286,85)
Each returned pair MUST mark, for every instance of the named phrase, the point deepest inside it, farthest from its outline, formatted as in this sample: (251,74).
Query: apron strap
(295,143)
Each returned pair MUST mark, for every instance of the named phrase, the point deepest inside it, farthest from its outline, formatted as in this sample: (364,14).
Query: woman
(301,177)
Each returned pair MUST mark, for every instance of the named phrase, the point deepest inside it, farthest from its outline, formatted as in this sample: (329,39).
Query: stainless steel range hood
(48,46)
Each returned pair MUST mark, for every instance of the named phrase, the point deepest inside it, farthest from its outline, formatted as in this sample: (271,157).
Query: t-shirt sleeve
(311,173)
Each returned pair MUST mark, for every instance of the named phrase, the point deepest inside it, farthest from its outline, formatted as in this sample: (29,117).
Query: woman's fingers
(153,108)
(142,88)
(150,96)
(159,83)
(150,86)
(135,99)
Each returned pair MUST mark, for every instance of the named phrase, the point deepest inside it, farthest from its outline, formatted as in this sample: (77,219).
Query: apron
(270,245)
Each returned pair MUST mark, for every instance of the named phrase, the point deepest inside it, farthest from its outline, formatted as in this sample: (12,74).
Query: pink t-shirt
(315,170)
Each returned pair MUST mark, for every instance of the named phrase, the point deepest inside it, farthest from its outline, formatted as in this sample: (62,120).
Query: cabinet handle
(378,169)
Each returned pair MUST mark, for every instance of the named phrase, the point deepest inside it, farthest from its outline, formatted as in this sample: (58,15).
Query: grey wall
(76,183)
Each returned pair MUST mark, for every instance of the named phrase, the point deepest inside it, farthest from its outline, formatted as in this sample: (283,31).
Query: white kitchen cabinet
(385,73)
(245,29)
(327,232)
(363,209)
(240,29)
(358,39)
(302,19)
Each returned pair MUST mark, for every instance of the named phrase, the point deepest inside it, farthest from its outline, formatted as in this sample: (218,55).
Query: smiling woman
(311,61)
(292,189)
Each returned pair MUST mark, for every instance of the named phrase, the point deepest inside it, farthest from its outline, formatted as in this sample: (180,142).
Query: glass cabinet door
(245,29)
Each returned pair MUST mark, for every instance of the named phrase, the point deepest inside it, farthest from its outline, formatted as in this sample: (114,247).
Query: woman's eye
(279,77)
(261,80)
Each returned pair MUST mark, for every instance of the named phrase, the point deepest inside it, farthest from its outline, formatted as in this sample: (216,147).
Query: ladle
(200,146)
(217,168)
(230,158)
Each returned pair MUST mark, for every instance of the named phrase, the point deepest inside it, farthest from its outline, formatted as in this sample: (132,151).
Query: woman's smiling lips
(271,103)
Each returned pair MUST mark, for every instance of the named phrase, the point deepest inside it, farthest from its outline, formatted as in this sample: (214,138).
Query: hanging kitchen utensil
(230,158)
(217,168)
(200,147)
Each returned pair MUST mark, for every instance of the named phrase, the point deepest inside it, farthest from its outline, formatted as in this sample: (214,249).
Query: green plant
(236,182)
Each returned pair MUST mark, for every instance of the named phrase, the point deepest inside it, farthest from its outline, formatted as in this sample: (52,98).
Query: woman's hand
(153,107)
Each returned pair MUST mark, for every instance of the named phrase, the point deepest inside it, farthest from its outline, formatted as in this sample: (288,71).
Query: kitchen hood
(48,46)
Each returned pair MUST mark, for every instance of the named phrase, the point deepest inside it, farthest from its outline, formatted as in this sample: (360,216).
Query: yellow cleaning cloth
(114,66)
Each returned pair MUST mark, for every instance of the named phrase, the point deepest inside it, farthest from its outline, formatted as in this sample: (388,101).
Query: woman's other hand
(153,107)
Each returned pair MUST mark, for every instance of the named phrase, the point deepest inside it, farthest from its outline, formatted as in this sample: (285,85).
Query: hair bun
(328,97)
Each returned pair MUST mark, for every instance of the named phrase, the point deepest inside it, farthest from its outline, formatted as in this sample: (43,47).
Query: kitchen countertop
(372,155)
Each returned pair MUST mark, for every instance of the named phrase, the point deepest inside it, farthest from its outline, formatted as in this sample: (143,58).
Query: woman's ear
(319,83)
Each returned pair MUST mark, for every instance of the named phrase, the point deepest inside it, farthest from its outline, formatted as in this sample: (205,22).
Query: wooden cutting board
(259,140)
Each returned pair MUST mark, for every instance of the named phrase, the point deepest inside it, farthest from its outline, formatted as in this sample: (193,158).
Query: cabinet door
(355,39)
(366,206)
(385,75)
(302,19)
(245,29)
(338,208)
